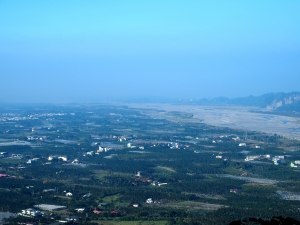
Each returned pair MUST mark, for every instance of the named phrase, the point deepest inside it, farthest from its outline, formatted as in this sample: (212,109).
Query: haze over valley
(149,112)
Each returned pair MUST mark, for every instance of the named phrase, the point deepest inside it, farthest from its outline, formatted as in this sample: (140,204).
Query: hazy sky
(59,51)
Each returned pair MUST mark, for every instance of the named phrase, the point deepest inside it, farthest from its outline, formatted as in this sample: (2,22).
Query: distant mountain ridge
(271,101)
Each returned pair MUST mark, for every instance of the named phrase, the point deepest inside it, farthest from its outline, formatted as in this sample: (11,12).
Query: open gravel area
(236,117)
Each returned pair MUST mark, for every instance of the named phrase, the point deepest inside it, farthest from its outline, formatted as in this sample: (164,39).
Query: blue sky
(93,51)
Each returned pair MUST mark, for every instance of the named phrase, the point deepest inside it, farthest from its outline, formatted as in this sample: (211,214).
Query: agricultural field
(120,164)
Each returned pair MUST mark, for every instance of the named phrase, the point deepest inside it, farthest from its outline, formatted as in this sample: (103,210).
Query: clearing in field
(166,168)
(195,205)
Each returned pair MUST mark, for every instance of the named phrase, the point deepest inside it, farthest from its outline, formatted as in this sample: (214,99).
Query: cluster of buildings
(260,157)
(30,161)
(257,157)
(30,213)
(276,159)
(156,183)
(17,117)
(36,138)
(151,201)
(97,152)
(173,145)
(16,156)
(63,158)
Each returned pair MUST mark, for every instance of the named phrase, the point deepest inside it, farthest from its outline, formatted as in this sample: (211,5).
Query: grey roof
(6,215)
(50,207)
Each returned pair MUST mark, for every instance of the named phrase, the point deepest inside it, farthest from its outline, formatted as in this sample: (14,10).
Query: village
(116,163)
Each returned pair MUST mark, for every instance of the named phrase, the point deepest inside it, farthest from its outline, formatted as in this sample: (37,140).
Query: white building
(138,174)
(75,161)
(250,158)
(149,201)
(100,149)
(63,158)
(30,212)
(293,165)
(174,145)
(69,194)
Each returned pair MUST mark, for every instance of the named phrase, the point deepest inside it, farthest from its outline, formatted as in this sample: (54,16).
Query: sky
(95,51)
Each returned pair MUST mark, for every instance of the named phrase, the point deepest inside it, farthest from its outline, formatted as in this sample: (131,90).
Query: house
(97,212)
(138,174)
(87,195)
(278,159)
(149,201)
(63,158)
(69,194)
(268,156)
(114,211)
(293,165)
(135,205)
(3,153)
(102,149)
(90,153)
(142,179)
(75,161)
(49,190)
(156,183)
(173,145)
(31,223)
(236,138)
(30,213)
(103,204)
(234,190)
(3,175)
(80,210)
(250,158)
(70,218)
